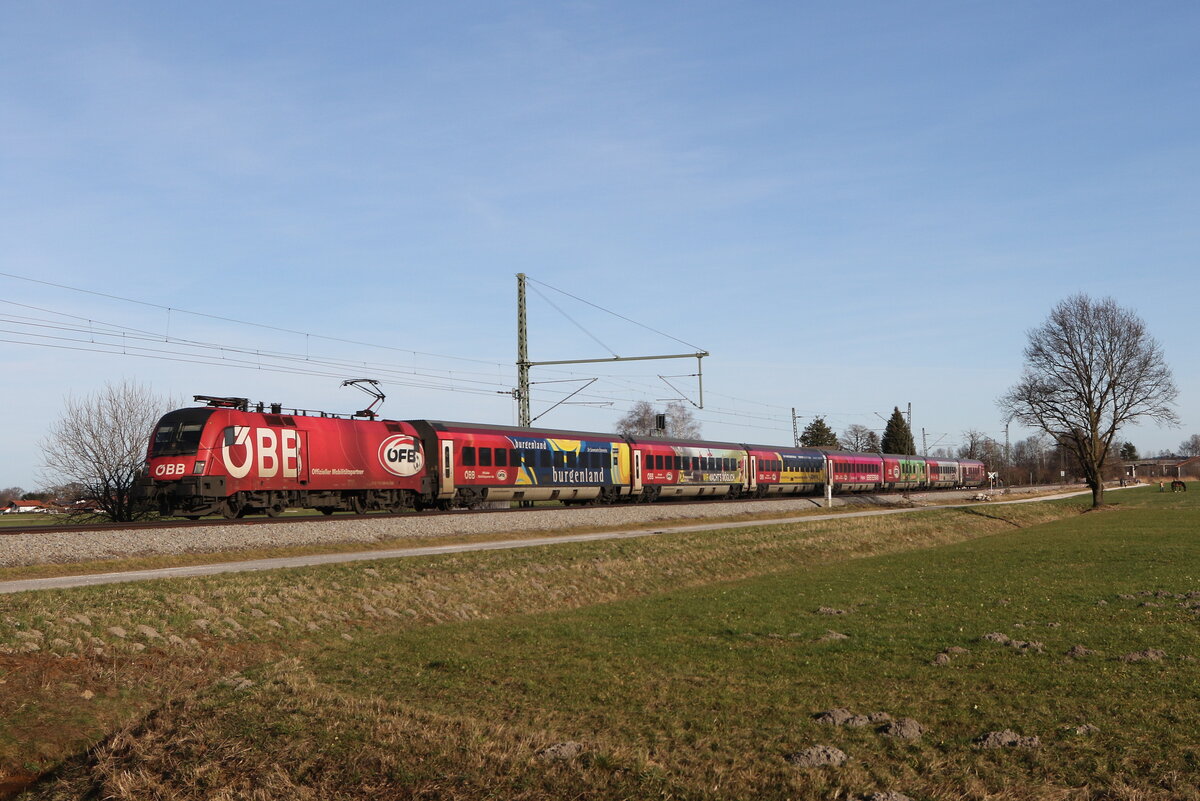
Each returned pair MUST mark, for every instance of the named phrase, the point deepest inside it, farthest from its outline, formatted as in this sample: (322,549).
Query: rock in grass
(817,756)
(828,610)
(834,717)
(904,728)
(1007,738)
(560,752)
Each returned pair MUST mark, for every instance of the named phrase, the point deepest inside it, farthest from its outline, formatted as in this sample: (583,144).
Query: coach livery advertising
(230,459)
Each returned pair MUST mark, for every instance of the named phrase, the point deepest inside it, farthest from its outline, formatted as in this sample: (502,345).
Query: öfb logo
(399,456)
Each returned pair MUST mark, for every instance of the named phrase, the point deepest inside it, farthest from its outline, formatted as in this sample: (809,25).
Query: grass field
(686,666)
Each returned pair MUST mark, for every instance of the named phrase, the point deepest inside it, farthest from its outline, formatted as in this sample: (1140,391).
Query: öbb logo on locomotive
(400,456)
(271,452)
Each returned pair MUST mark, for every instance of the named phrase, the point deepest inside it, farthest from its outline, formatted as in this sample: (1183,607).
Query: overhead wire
(118,339)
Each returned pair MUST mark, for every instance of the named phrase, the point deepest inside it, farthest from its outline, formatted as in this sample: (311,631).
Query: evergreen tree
(1129,452)
(818,435)
(897,436)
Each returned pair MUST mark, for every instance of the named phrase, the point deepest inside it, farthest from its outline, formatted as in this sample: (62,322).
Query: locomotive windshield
(178,433)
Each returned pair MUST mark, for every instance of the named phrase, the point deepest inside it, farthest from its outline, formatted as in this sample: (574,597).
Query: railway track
(286,519)
(207,522)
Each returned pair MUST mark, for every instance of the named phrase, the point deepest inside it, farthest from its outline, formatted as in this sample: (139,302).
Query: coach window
(649,461)
(468,456)
(501,457)
(572,459)
(485,457)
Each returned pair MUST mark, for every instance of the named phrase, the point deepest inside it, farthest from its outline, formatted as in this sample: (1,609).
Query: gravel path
(30,549)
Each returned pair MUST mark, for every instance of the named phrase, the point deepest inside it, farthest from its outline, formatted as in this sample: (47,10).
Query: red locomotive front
(225,458)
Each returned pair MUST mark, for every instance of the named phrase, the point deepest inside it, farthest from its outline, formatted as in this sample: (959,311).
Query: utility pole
(522,392)
(795,428)
(910,417)
(924,445)
(523,364)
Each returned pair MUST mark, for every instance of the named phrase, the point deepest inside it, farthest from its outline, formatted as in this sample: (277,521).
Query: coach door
(446,469)
(752,472)
(637,472)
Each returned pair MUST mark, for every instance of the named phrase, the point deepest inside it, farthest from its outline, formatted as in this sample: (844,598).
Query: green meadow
(684,666)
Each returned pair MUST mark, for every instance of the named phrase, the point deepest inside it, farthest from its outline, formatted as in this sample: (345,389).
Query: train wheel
(358,504)
(275,509)
(232,508)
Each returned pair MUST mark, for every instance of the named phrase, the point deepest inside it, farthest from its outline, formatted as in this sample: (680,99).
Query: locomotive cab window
(178,433)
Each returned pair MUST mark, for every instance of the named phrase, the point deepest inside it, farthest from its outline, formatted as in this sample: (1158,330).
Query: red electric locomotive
(226,458)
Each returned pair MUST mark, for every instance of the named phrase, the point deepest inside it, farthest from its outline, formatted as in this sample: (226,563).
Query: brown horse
(1178,486)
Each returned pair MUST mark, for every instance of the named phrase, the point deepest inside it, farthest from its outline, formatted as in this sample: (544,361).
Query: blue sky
(851,206)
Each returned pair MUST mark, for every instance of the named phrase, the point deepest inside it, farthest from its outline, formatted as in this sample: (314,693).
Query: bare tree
(10,494)
(641,421)
(1090,369)
(977,445)
(1190,446)
(859,438)
(100,442)
(1033,460)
